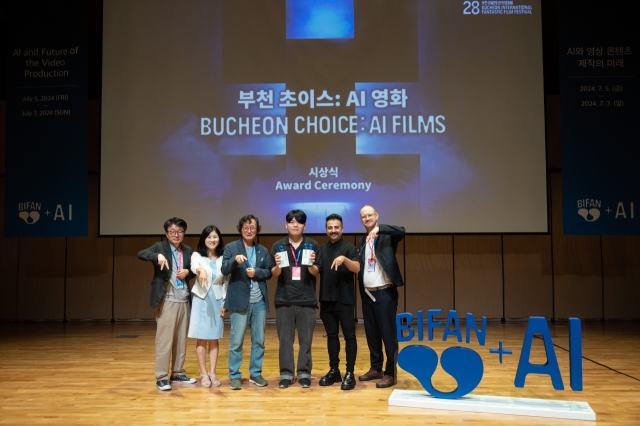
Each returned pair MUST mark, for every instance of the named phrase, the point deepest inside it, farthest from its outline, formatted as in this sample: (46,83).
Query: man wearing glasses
(379,279)
(295,298)
(249,265)
(170,297)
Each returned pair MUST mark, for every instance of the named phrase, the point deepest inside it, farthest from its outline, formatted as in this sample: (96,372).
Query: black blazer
(385,247)
(239,288)
(161,277)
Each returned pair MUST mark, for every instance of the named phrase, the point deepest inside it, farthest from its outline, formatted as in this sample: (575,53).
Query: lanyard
(178,264)
(372,243)
(294,255)
(253,250)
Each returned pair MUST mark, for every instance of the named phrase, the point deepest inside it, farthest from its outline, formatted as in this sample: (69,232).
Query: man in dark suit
(249,265)
(379,279)
(170,297)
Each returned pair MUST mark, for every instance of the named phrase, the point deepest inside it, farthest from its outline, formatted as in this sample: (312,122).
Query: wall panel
(429,266)
(90,268)
(528,276)
(577,266)
(132,279)
(41,278)
(621,271)
(478,275)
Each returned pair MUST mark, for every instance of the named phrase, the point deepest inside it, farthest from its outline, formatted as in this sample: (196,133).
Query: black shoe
(284,383)
(182,379)
(163,385)
(332,377)
(305,383)
(349,381)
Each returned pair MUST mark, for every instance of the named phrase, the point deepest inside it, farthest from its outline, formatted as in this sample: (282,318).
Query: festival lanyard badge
(253,250)
(295,270)
(179,283)
(371,262)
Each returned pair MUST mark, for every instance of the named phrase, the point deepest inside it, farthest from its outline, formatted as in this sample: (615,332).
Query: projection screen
(429,110)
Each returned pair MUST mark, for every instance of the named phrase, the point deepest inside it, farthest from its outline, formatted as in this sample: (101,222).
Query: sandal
(214,380)
(205,381)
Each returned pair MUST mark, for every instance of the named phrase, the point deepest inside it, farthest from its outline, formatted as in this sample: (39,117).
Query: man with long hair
(249,265)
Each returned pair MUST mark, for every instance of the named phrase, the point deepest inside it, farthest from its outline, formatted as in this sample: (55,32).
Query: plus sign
(608,210)
(500,351)
(47,212)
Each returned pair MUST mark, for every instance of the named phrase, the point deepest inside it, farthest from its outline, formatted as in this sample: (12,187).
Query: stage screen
(429,110)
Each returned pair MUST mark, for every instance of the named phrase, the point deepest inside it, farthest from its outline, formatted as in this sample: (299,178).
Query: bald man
(379,279)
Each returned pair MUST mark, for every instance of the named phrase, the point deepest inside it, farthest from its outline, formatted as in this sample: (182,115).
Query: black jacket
(385,247)
(239,289)
(161,277)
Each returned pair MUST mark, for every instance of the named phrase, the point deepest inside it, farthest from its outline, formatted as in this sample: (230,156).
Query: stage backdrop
(430,110)
(46,136)
(600,110)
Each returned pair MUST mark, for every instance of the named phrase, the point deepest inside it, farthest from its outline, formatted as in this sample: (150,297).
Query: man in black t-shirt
(338,263)
(295,298)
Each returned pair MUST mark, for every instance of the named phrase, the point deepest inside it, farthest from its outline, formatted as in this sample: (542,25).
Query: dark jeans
(380,326)
(288,319)
(332,314)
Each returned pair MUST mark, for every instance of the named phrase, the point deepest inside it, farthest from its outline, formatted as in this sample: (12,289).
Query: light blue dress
(206,322)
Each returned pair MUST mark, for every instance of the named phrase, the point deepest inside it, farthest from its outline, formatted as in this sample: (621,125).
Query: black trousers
(332,315)
(380,326)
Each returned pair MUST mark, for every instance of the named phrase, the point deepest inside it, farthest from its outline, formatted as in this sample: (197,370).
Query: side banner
(46,136)
(599,51)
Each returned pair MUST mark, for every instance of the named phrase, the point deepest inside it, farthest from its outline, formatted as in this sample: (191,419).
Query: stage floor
(83,373)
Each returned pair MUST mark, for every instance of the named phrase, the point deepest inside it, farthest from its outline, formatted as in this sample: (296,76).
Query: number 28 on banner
(471,7)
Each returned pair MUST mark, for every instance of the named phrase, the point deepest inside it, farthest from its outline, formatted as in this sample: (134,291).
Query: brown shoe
(370,375)
(386,382)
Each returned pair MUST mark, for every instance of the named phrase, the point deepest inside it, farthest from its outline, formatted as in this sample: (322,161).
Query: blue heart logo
(463,364)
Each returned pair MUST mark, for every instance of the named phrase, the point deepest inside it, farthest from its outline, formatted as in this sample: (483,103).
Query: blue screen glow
(313,19)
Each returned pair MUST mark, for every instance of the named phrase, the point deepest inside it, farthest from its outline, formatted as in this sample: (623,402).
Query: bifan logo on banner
(589,209)
(466,367)
(29,211)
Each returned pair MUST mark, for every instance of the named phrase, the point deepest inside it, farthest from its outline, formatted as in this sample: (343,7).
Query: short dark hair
(298,215)
(334,216)
(175,221)
(202,247)
(247,218)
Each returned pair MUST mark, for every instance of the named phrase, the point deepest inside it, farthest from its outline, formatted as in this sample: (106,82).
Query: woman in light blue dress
(209,292)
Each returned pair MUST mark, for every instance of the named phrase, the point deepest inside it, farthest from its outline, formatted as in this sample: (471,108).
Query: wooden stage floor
(80,373)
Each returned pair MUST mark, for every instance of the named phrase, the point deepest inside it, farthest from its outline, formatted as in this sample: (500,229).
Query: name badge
(179,283)
(371,265)
(295,273)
